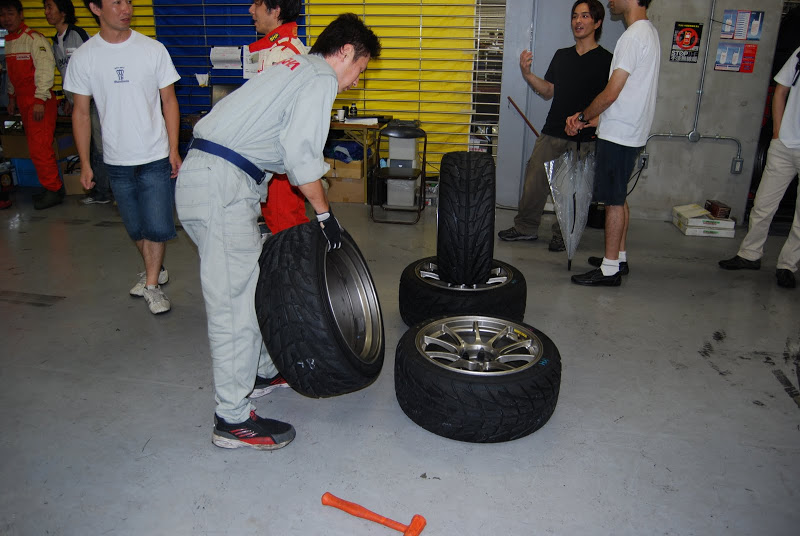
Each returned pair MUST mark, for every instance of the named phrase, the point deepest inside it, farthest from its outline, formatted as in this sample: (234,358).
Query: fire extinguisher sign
(686,42)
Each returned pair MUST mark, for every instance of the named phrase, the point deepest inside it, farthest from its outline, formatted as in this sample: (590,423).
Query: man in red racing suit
(31,74)
(285,206)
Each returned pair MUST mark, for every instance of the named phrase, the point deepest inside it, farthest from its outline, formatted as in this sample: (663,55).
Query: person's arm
(315,193)
(600,104)
(539,86)
(44,65)
(328,224)
(82,132)
(172,118)
(778,108)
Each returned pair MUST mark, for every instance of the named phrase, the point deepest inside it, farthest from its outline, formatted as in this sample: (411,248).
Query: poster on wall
(736,57)
(686,42)
(742,25)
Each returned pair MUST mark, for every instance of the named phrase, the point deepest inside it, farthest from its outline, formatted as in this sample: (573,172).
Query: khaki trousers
(536,187)
(782,165)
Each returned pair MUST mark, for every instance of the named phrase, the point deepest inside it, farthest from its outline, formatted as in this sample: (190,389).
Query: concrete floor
(672,417)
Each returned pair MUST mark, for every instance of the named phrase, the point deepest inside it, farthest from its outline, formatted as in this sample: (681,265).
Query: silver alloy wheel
(354,302)
(479,345)
(429,272)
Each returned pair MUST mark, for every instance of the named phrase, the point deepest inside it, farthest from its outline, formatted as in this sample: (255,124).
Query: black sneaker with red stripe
(265,386)
(255,432)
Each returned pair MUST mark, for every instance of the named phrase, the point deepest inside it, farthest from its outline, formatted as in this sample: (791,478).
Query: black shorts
(614,165)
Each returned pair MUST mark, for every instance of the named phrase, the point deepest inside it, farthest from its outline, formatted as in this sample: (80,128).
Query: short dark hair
(347,29)
(597,11)
(65,7)
(645,3)
(14,4)
(98,3)
(290,9)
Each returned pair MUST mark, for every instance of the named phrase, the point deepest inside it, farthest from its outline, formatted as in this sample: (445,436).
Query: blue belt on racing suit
(230,155)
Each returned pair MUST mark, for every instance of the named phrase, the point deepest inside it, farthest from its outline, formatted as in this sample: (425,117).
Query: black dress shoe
(623,265)
(595,278)
(738,263)
(785,278)
(49,199)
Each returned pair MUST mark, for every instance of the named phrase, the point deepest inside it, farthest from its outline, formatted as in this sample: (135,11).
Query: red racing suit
(31,73)
(285,206)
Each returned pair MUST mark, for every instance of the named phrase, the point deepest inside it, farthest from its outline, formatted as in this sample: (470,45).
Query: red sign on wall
(686,42)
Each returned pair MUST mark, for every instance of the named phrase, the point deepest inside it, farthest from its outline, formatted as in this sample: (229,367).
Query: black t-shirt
(577,80)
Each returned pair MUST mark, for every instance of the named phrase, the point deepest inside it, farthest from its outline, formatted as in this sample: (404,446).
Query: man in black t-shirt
(575,77)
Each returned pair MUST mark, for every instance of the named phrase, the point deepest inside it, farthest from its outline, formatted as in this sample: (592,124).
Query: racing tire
(319,313)
(423,294)
(465,234)
(500,385)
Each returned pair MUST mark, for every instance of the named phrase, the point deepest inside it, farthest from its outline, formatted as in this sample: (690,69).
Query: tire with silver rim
(476,378)
(319,312)
(423,294)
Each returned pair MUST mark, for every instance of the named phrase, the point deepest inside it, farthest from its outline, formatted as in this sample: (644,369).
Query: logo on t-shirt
(120,75)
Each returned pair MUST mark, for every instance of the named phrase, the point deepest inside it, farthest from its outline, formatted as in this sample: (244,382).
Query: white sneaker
(156,300)
(138,288)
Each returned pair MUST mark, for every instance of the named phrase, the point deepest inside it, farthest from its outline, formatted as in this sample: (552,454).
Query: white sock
(623,256)
(609,267)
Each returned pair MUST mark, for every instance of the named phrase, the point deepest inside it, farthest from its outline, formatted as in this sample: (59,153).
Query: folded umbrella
(571,184)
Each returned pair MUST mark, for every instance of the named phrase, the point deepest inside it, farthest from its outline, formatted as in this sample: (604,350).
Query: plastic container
(25,172)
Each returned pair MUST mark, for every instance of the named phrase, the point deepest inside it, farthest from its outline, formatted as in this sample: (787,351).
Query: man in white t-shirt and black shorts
(625,111)
(130,77)
(783,163)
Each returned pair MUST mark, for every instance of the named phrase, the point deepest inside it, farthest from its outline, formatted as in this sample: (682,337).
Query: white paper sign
(226,58)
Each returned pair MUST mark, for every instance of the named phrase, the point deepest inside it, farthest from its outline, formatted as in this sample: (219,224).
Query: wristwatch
(581,118)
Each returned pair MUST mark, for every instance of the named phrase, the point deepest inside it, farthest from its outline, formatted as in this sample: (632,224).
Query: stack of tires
(469,368)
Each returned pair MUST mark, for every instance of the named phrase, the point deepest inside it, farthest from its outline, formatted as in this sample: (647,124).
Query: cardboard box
(343,170)
(703,231)
(718,209)
(696,216)
(72,178)
(350,170)
(346,182)
(345,190)
(16,145)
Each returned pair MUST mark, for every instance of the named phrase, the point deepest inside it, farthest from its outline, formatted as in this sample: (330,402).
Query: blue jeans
(146,198)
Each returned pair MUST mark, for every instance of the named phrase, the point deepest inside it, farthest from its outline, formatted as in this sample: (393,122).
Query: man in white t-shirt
(130,77)
(783,163)
(625,111)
